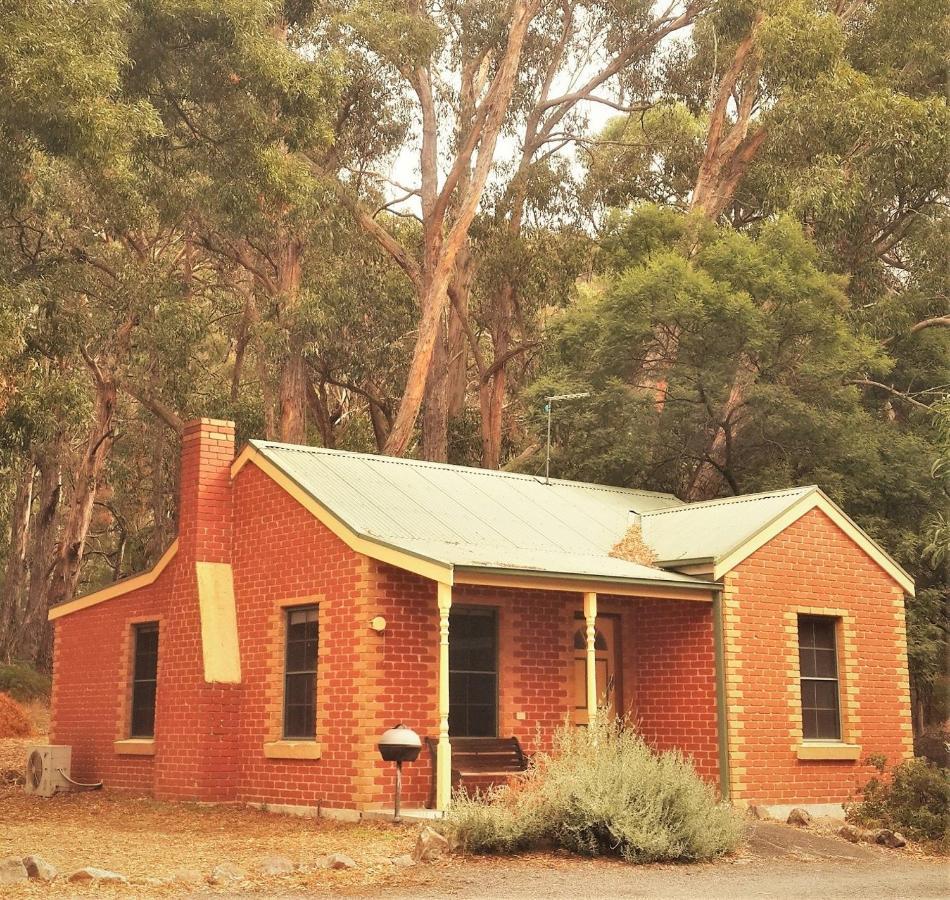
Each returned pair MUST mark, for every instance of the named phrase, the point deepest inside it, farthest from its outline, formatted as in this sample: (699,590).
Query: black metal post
(398,789)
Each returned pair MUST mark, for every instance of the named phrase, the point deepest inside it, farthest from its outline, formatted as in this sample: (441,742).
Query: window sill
(292,750)
(828,750)
(135,747)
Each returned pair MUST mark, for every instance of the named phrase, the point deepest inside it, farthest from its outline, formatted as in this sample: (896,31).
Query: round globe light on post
(399,745)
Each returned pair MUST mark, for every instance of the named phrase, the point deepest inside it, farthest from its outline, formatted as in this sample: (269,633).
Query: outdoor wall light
(378,624)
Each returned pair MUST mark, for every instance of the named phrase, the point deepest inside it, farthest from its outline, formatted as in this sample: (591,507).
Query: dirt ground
(144,839)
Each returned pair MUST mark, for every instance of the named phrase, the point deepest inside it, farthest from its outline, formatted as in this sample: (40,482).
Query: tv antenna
(548,404)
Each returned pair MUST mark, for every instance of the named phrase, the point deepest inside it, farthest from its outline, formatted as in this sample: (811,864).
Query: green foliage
(22,682)
(912,798)
(601,791)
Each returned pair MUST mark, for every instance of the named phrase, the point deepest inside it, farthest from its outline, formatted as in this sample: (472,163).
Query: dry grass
(142,838)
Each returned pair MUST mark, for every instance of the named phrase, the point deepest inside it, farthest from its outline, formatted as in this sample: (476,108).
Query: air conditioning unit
(47,769)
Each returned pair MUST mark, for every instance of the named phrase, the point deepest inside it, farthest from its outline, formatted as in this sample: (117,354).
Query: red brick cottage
(314,598)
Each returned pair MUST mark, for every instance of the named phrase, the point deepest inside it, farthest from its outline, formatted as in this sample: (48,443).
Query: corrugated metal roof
(713,529)
(475,517)
(480,518)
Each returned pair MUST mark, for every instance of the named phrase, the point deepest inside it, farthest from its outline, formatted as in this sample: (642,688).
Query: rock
(12,870)
(227,872)
(856,835)
(276,865)
(430,845)
(186,876)
(800,817)
(888,838)
(91,873)
(38,868)
(340,861)
(404,861)
(758,812)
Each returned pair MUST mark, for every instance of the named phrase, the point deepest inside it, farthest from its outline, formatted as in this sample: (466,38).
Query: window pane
(825,664)
(806,662)
(808,694)
(481,721)
(826,694)
(143,709)
(828,724)
(824,633)
(144,674)
(473,681)
(146,651)
(819,673)
(300,673)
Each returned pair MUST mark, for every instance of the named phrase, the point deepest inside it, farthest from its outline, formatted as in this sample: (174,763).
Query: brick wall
(282,554)
(811,566)
(674,658)
(92,670)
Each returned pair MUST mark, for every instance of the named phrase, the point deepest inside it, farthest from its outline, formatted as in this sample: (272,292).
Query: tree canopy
(400,227)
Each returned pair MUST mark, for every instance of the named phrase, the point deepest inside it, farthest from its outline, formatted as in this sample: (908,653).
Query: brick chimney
(204,513)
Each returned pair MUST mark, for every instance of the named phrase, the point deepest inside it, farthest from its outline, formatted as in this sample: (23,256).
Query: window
(473,673)
(300,673)
(818,662)
(144,680)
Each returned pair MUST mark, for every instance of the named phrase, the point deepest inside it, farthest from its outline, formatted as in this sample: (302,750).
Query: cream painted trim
(441,572)
(814,500)
(582,586)
(116,590)
(135,747)
(828,751)
(443,758)
(219,632)
(292,750)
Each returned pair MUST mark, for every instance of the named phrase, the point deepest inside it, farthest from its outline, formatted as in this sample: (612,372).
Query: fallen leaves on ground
(143,838)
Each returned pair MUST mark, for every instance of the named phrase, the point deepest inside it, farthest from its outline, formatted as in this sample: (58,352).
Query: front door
(605,654)
(473,672)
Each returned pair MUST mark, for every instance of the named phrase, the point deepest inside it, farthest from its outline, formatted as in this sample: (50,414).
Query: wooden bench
(483,760)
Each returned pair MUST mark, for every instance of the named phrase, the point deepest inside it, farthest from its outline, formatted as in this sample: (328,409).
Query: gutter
(722,713)
(541,574)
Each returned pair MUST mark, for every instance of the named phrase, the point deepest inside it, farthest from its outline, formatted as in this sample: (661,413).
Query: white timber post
(443,765)
(590,617)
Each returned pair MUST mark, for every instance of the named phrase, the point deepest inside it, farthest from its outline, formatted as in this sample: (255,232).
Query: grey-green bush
(601,790)
(24,683)
(913,798)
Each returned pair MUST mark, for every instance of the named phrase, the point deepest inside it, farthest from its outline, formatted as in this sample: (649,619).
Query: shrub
(14,721)
(24,683)
(913,798)
(601,791)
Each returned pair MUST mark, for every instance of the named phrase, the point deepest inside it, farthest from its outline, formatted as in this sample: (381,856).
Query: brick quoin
(209,738)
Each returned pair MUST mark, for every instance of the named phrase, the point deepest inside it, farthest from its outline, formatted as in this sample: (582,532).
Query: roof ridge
(450,467)
(804,490)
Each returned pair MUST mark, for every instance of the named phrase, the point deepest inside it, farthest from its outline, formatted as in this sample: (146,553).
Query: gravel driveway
(779,861)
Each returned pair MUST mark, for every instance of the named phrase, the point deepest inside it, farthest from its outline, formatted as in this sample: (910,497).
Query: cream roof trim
(117,589)
(815,499)
(420,565)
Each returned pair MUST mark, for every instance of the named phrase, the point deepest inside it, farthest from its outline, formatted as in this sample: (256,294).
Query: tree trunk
(709,476)
(434,296)
(456,380)
(159,539)
(435,409)
(317,401)
(292,392)
(73,539)
(15,579)
(30,635)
